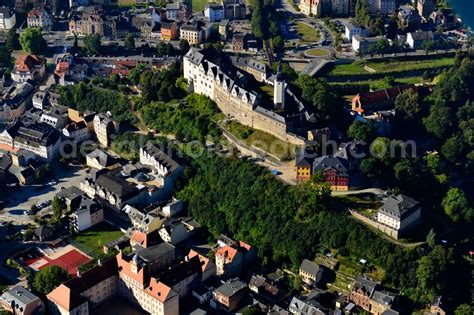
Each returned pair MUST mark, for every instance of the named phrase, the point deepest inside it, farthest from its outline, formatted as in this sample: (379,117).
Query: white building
(104,128)
(362,44)
(415,39)
(399,213)
(86,214)
(214,12)
(7,18)
(153,156)
(77,131)
(55,120)
(40,17)
(352,28)
(192,33)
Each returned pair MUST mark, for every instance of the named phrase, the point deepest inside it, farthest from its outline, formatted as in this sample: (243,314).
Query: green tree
(257,20)
(453,148)
(361,131)
(380,148)
(5,57)
(431,271)
(57,206)
(438,122)
(129,42)
(428,46)
(431,238)
(370,167)
(407,105)
(382,46)
(456,205)
(92,44)
(48,278)
(464,309)
(32,41)
(278,44)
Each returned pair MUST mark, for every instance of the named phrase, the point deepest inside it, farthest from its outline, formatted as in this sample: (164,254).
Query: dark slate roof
(384,297)
(365,284)
(398,206)
(104,159)
(231,287)
(328,162)
(116,185)
(309,267)
(181,271)
(20,296)
(155,252)
(170,164)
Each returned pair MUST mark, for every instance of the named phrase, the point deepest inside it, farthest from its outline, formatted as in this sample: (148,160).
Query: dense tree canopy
(48,278)
(32,41)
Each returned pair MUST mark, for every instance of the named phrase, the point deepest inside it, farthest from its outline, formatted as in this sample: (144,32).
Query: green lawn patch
(92,240)
(262,140)
(382,83)
(360,202)
(198,5)
(389,65)
(317,52)
(309,34)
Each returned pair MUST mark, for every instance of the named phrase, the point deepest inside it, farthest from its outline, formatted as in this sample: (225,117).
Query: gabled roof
(365,284)
(330,162)
(28,62)
(309,267)
(398,206)
(68,295)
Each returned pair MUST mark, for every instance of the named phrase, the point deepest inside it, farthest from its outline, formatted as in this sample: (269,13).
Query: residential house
(426,7)
(7,18)
(312,273)
(105,127)
(38,138)
(438,306)
(238,42)
(230,294)
(335,171)
(306,305)
(352,28)
(311,7)
(14,101)
(362,291)
(173,208)
(223,29)
(232,257)
(28,67)
(400,213)
(341,7)
(169,30)
(153,156)
(379,100)
(234,10)
(383,6)
(362,44)
(110,186)
(444,18)
(41,18)
(145,222)
(408,17)
(415,39)
(266,289)
(87,23)
(175,231)
(20,301)
(56,117)
(214,12)
(76,131)
(303,165)
(99,159)
(192,33)
(86,213)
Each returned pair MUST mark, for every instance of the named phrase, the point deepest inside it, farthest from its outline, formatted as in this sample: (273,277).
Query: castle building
(206,76)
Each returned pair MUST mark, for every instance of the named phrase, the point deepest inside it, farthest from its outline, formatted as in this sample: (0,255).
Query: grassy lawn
(261,140)
(310,34)
(198,5)
(390,65)
(92,240)
(360,202)
(382,84)
(317,52)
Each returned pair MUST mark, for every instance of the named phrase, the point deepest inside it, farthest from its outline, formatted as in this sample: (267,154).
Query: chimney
(99,262)
(78,273)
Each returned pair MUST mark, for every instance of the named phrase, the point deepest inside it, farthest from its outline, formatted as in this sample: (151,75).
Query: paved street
(23,198)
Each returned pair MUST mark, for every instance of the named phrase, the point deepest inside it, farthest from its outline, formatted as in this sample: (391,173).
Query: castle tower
(279,90)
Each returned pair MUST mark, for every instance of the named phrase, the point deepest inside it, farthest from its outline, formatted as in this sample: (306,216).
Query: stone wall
(381,227)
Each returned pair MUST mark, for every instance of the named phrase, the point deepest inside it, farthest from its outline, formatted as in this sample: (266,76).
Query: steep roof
(398,206)
(329,162)
(68,295)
